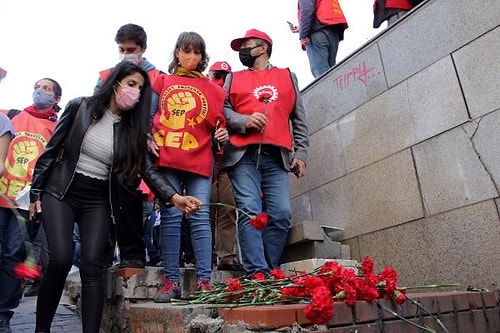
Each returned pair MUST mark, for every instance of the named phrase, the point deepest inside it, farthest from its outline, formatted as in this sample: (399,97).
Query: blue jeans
(12,251)
(261,250)
(199,222)
(322,51)
(149,218)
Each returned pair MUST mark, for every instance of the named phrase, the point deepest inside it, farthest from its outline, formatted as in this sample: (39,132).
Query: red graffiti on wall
(360,73)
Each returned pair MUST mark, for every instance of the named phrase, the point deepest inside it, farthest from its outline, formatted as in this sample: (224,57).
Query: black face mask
(246,58)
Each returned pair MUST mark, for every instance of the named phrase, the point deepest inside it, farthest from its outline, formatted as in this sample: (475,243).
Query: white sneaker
(73,270)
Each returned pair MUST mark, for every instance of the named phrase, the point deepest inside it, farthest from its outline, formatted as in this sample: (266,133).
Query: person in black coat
(98,144)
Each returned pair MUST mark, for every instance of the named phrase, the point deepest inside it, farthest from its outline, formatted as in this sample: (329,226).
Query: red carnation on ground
(388,281)
(278,274)
(311,283)
(399,297)
(235,287)
(259,276)
(367,266)
(259,221)
(320,311)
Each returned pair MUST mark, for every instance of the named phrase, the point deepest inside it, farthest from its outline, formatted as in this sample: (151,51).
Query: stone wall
(405,146)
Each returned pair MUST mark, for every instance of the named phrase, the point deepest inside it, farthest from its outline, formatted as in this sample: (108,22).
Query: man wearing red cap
(218,71)
(268,138)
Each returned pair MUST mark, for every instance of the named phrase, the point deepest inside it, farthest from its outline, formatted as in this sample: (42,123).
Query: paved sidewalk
(65,320)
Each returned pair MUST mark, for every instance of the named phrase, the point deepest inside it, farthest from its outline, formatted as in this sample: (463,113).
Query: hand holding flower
(186,203)
(28,269)
(257,120)
(221,135)
(258,221)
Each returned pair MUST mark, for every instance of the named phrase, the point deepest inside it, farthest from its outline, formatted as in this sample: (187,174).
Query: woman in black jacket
(98,144)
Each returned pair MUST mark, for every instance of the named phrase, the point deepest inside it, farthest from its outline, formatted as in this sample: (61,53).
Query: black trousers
(86,203)
(129,228)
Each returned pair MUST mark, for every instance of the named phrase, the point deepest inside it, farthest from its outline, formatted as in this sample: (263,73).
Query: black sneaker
(5,326)
(131,263)
(235,266)
(154,262)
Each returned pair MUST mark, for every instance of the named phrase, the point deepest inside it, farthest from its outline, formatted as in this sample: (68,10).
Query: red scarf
(50,115)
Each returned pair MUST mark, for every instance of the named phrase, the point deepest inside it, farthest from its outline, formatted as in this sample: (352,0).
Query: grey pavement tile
(23,320)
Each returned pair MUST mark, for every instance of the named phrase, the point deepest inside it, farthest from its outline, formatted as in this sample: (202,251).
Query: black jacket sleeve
(53,149)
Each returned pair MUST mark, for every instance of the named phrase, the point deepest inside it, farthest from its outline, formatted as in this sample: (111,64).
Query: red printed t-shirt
(32,135)
(189,109)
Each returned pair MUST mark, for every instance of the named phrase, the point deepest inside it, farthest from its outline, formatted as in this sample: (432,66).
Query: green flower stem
(269,292)
(28,245)
(261,135)
(424,328)
(229,206)
(420,306)
(430,286)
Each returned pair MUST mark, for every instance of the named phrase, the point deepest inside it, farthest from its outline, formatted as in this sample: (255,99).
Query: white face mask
(134,58)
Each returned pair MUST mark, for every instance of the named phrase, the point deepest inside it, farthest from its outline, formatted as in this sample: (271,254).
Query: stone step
(310,239)
(310,265)
(144,284)
(469,311)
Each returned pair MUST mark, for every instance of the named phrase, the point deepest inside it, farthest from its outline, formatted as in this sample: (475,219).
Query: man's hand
(299,166)
(305,41)
(257,120)
(293,28)
(221,135)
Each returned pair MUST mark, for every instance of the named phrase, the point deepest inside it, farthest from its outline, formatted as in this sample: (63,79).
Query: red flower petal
(259,222)
(320,311)
(26,271)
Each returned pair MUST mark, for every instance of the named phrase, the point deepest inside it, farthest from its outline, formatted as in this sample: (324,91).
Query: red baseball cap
(252,33)
(220,66)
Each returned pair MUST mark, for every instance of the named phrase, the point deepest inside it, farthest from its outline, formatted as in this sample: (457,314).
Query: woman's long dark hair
(132,140)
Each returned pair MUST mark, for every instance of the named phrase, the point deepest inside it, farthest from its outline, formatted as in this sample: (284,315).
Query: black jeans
(129,228)
(85,203)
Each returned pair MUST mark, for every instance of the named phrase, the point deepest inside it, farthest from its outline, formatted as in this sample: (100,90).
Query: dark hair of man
(186,41)
(131,32)
(57,90)
(132,137)
(269,46)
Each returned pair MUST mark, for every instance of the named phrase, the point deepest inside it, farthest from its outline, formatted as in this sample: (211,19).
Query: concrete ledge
(305,231)
(310,265)
(473,312)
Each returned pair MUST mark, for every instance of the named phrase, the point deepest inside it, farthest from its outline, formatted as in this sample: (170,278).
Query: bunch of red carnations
(318,289)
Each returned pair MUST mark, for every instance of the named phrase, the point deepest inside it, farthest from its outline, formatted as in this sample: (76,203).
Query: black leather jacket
(56,167)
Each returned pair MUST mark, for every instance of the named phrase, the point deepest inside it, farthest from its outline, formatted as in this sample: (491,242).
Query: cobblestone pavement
(65,320)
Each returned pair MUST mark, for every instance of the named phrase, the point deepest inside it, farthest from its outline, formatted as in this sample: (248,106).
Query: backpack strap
(12,113)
